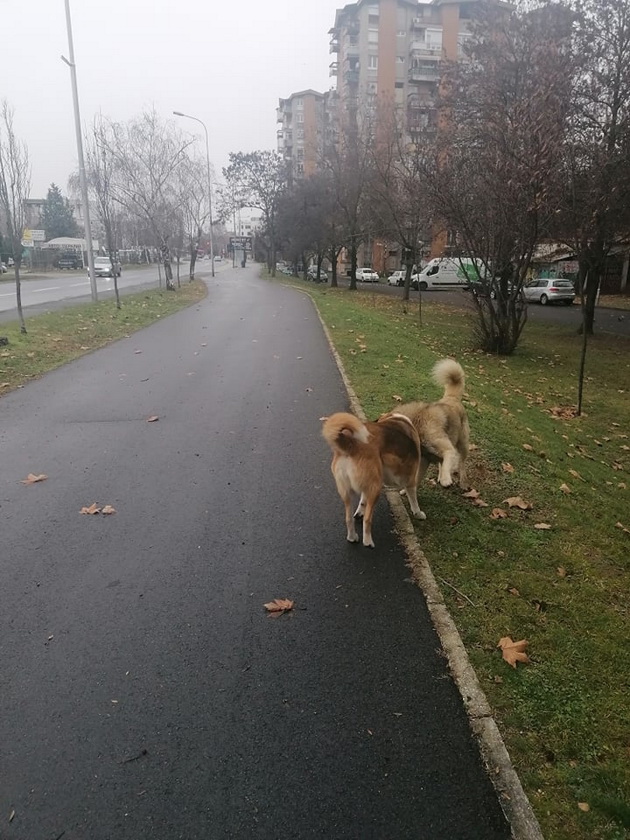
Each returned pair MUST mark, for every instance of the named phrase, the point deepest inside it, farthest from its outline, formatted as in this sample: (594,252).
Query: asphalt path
(145,691)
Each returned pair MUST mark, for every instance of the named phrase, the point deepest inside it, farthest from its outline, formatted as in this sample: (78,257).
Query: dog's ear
(322,419)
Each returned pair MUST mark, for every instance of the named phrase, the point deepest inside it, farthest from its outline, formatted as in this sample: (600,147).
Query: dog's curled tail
(450,375)
(342,431)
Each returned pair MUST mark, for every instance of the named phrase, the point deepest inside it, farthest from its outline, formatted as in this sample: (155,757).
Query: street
(146,693)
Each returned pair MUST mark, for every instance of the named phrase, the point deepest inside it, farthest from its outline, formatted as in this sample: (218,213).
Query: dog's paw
(446,481)
(353,538)
(369,543)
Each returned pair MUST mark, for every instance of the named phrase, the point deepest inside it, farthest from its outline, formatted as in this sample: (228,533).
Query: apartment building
(304,120)
(389,54)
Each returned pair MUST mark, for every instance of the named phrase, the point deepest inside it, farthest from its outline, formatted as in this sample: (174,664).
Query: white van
(445,273)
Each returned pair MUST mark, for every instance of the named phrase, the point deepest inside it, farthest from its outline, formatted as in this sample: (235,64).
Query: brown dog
(368,455)
(443,425)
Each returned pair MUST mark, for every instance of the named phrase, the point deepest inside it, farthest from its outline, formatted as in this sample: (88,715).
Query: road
(60,287)
(146,694)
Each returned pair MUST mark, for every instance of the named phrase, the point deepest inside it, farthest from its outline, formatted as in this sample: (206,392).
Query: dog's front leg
(412,495)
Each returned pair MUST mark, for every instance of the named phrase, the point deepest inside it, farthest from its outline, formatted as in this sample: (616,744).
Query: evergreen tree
(56,216)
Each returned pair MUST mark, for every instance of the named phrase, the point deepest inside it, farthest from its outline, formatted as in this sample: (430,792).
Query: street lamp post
(196,119)
(82,178)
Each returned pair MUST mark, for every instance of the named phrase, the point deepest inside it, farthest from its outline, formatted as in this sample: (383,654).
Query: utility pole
(82,178)
(196,119)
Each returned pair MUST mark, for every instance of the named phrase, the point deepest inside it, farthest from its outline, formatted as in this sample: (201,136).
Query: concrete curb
(512,798)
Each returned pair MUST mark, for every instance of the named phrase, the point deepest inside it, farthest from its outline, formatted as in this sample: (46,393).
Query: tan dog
(443,425)
(368,455)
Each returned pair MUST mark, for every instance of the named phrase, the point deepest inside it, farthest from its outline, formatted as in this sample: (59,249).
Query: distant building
(304,118)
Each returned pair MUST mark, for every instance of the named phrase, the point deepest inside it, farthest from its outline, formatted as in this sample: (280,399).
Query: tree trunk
(333,267)
(165,254)
(193,259)
(18,295)
(353,266)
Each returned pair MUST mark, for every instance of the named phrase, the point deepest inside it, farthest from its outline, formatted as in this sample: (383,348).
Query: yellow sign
(27,236)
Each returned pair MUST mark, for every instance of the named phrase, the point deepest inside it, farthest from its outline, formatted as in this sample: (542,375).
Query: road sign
(27,235)
(241,242)
(38,235)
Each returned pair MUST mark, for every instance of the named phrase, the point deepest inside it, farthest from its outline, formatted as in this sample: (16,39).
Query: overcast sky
(224,61)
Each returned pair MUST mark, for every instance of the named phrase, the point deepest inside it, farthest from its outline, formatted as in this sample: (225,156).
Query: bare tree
(101,174)
(259,178)
(193,190)
(147,154)
(399,204)
(15,186)
(495,176)
(595,213)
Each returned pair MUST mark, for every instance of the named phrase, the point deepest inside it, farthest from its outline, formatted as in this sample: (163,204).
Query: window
(373,19)
(372,36)
(402,33)
(299,103)
(300,134)
(399,85)
(300,118)
(372,62)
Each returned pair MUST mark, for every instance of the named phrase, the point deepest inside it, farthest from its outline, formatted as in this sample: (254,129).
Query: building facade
(304,118)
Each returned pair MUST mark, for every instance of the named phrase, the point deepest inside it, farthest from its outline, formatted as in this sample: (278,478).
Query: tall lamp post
(196,119)
(82,178)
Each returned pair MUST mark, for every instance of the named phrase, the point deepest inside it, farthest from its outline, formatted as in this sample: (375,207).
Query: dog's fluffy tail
(450,375)
(343,431)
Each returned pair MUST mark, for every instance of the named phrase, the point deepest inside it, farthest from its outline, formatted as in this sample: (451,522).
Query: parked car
(549,290)
(3,268)
(397,278)
(103,267)
(70,260)
(367,275)
(311,274)
(218,258)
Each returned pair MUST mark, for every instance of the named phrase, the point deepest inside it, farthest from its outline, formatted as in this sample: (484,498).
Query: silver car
(549,290)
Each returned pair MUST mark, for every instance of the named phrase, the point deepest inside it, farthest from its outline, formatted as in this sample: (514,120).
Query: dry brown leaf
(498,513)
(565,488)
(508,468)
(397,398)
(92,509)
(513,652)
(517,501)
(479,503)
(561,571)
(542,526)
(584,806)
(31,478)
(527,447)
(514,591)
(153,418)
(108,510)
(278,607)
(622,527)
(576,474)
(472,494)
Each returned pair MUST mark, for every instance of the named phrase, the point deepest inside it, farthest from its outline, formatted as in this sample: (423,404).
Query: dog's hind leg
(360,511)
(368,512)
(448,465)
(351,534)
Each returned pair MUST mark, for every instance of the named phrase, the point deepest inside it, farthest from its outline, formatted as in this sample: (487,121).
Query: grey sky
(224,61)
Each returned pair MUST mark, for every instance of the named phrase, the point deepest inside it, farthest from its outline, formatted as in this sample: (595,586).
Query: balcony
(352,76)
(334,46)
(422,49)
(428,73)
(423,22)
(351,50)
(333,68)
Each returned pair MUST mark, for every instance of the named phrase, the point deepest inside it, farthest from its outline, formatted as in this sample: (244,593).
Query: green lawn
(566,716)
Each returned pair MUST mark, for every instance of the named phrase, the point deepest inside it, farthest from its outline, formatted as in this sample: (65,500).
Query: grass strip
(565,717)
(58,337)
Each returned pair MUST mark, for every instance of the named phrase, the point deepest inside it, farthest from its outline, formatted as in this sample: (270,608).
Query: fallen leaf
(92,509)
(527,447)
(576,474)
(565,488)
(108,510)
(479,503)
(278,607)
(517,501)
(154,418)
(561,571)
(542,526)
(508,468)
(34,479)
(472,494)
(514,591)
(622,527)
(513,652)
(137,352)
(397,398)
(498,513)
(584,806)
(11,815)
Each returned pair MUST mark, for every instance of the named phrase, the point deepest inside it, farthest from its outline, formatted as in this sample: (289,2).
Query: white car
(366,275)
(103,267)
(396,279)
(550,290)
